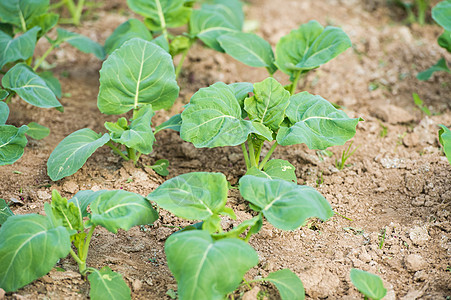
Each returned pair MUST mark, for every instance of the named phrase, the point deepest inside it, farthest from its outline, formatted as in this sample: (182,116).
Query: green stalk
(43,57)
(57,5)
(180,64)
(71,6)
(84,254)
(268,155)
(117,150)
(294,85)
(251,152)
(22,22)
(257,155)
(77,259)
(132,154)
(246,156)
(77,16)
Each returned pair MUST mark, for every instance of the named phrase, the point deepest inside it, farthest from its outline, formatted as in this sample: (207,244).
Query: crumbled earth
(393,198)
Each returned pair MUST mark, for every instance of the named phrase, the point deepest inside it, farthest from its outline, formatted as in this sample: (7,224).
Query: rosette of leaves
(207,24)
(31,245)
(302,50)
(441,14)
(208,262)
(224,115)
(137,77)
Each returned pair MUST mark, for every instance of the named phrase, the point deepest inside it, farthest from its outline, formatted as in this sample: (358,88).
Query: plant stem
(246,156)
(84,255)
(268,155)
(180,64)
(117,150)
(257,155)
(71,6)
(251,152)
(76,258)
(294,85)
(132,154)
(77,16)
(57,5)
(43,57)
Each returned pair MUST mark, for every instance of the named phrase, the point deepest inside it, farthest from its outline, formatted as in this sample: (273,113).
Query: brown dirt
(398,183)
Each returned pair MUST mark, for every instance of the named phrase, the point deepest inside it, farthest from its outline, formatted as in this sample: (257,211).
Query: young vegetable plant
(138,77)
(412,6)
(370,285)
(444,136)
(207,24)
(224,115)
(210,263)
(31,245)
(75,9)
(441,14)
(300,51)
(22,24)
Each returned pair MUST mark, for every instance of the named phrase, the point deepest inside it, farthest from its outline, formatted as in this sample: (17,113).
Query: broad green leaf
(12,143)
(139,135)
(4,112)
(242,90)
(444,40)
(5,211)
(29,86)
(207,269)
(45,21)
(249,49)
(310,46)
(121,209)
(82,199)
(21,12)
(441,65)
(173,123)
(52,82)
(73,151)
(7,28)
(106,284)
(162,42)
(286,205)
(81,42)
(36,131)
(192,196)
(368,284)
(19,48)
(288,284)
(3,94)
(212,21)
(30,246)
(161,167)
(317,123)
(68,212)
(138,73)
(161,14)
(441,14)
(268,104)
(275,169)
(131,28)
(444,136)
(213,118)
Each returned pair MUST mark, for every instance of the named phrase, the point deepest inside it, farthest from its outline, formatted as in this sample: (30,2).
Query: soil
(393,197)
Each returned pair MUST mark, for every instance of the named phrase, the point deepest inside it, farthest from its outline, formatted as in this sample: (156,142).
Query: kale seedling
(441,14)
(207,24)
(300,51)
(208,262)
(370,285)
(138,77)
(225,115)
(31,245)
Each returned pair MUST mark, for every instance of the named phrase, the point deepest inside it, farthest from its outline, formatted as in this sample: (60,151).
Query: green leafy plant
(23,23)
(368,284)
(441,14)
(300,51)
(207,24)
(75,9)
(208,262)
(224,115)
(138,77)
(345,155)
(444,136)
(31,245)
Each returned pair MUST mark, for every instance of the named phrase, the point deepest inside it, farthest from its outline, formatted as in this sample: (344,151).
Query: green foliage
(148,83)
(441,65)
(12,143)
(80,42)
(128,30)
(275,169)
(444,135)
(5,212)
(30,245)
(21,13)
(73,151)
(420,104)
(36,131)
(289,285)
(441,13)
(19,48)
(345,155)
(160,167)
(368,284)
(205,268)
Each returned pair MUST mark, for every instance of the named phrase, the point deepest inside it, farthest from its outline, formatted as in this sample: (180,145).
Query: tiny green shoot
(345,155)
